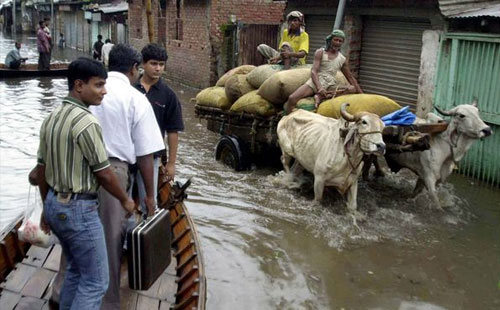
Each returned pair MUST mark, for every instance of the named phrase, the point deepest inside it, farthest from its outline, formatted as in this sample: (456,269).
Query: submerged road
(268,247)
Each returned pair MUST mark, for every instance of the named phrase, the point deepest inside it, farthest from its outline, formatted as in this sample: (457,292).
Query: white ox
(316,144)
(446,149)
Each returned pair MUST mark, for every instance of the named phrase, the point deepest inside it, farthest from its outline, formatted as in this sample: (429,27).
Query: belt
(75,196)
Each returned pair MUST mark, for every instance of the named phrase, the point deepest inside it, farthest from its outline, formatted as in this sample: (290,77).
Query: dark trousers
(44,61)
(15,64)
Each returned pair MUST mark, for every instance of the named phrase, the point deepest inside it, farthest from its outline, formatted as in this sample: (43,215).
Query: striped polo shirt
(72,148)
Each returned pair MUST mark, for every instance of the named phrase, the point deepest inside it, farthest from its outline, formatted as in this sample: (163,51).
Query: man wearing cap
(323,84)
(294,44)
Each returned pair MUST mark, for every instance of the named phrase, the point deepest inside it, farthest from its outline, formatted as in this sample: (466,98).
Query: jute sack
(258,75)
(342,82)
(236,86)
(376,104)
(306,104)
(238,70)
(213,97)
(254,104)
(279,86)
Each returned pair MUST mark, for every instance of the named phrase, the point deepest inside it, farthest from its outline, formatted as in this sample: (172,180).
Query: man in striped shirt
(72,164)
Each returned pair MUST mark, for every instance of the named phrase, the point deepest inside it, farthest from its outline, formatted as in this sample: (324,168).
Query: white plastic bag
(30,230)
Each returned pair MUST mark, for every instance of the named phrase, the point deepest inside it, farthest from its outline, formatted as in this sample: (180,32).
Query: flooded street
(269,247)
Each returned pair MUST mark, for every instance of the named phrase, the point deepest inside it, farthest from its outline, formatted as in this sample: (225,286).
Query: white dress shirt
(129,126)
(106,48)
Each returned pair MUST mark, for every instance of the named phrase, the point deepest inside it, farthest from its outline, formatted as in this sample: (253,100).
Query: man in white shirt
(131,134)
(106,48)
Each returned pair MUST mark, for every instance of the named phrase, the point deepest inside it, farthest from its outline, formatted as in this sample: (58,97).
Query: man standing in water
(72,164)
(131,135)
(43,46)
(167,109)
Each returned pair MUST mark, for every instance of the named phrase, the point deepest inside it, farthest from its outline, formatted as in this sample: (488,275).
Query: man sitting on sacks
(294,44)
(323,84)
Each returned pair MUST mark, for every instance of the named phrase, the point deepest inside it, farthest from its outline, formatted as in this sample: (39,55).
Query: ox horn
(346,115)
(443,112)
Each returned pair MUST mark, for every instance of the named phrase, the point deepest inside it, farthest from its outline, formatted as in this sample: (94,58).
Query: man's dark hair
(47,19)
(154,51)
(107,41)
(99,37)
(84,69)
(123,57)
(40,23)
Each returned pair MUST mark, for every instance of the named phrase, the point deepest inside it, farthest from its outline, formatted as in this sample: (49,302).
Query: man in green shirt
(72,164)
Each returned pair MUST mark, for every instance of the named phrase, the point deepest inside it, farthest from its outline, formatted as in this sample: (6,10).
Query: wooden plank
(9,300)
(18,277)
(128,299)
(52,262)
(30,303)
(147,303)
(38,284)
(153,290)
(36,256)
(165,305)
(168,288)
(171,268)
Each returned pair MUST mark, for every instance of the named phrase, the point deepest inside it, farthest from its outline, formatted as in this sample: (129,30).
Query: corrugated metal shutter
(469,68)
(317,27)
(390,58)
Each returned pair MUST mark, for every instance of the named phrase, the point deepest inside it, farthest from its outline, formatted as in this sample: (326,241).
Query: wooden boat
(31,70)
(27,272)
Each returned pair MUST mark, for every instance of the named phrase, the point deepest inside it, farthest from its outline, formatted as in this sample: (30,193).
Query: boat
(31,70)
(27,271)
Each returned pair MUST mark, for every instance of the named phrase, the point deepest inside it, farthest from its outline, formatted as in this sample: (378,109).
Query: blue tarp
(402,116)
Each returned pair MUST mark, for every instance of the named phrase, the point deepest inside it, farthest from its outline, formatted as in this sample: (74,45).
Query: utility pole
(340,14)
(13,19)
(52,21)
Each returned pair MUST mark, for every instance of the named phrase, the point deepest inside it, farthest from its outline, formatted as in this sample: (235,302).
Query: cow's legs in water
(285,160)
(430,184)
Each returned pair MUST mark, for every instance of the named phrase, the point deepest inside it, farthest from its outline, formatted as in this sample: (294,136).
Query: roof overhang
(469,8)
(108,8)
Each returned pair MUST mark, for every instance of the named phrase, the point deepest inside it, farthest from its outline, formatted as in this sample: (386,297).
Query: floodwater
(268,247)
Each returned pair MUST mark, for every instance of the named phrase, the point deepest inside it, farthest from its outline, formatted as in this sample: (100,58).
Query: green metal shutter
(317,27)
(469,68)
(390,58)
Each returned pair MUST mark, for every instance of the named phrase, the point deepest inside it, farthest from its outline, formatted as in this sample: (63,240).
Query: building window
(178,20)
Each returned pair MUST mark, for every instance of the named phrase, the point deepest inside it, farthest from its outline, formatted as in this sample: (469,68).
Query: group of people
(293,49)
(100,50)
(111,122)
(108,123)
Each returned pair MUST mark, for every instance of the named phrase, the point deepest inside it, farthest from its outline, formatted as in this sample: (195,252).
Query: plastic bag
(30,230)
(402,116)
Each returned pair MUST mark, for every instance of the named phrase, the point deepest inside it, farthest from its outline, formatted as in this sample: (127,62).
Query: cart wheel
(233,153)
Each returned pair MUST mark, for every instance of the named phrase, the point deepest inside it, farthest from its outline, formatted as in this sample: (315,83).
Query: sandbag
(376,104)
(213,97)
(280,85)
(238,70)
(258,75)
(254,104)
(236,86)
(306,104)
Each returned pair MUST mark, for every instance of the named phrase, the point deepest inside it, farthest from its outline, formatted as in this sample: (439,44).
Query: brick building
(194,33)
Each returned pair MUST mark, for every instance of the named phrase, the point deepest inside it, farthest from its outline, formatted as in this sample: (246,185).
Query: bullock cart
(27,271)
(247,138)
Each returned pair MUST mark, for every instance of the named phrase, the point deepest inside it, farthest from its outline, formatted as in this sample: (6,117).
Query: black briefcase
(148,247)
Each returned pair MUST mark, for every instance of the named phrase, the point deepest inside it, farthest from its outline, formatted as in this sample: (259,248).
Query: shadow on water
(268,247)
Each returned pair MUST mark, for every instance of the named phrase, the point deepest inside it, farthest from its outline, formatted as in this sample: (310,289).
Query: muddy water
(268,247)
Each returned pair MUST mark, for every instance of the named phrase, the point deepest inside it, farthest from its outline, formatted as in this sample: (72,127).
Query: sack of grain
(376,104)
(258,75)
(213,97)
(342,82)
(306,104)
(279,86)
(254,104)
(238,70)
(236,86)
